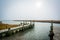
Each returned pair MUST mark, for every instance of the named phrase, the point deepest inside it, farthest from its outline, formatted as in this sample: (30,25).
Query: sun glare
(39,4)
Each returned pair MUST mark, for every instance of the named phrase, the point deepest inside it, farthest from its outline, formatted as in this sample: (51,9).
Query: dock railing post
(51,31)
(22,23)
(8,29)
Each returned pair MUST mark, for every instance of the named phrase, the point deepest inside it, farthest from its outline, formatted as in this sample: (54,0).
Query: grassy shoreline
(6,26)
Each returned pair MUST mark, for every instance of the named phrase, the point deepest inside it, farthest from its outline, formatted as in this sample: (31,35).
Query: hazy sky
(30,9)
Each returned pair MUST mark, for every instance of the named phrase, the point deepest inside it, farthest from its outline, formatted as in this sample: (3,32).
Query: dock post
(8,29)
(23,26)
(51,32)
(22,23)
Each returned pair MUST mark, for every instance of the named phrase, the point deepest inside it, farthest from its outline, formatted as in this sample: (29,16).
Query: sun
(39,4)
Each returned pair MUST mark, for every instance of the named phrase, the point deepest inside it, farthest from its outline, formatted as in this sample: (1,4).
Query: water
(56,31)
(39,32)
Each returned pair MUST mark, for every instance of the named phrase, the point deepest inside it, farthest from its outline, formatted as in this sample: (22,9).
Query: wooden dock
(12,29)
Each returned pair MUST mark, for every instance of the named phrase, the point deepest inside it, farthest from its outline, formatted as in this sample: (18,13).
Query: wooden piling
(51,34)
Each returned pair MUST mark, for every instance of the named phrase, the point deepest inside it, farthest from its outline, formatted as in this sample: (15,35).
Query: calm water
(39,32)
